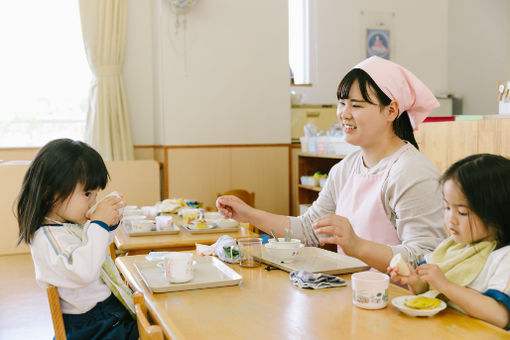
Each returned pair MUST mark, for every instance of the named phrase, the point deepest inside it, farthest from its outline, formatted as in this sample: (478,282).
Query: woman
(385,198)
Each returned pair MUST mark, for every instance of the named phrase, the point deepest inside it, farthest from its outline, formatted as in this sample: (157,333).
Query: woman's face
(363,123)
(463,224)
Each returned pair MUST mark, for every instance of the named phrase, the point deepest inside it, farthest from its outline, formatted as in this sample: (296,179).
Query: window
(299,56)
(45,77)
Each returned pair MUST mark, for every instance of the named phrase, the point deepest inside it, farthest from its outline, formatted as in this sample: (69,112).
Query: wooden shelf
(308,164)
(307,187)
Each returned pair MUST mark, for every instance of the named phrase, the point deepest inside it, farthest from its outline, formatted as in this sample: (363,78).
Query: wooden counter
(267,306)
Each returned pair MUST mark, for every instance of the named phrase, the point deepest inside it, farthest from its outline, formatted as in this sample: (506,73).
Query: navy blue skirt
(108,320)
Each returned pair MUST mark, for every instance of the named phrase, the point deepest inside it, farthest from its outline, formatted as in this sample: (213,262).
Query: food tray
(131,232)
(208,272)
(317,260)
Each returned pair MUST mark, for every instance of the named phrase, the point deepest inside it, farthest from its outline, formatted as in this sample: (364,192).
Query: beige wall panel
(11,177)
(198,173)
(18,154)
(264,170)
(461,140)
(144,153)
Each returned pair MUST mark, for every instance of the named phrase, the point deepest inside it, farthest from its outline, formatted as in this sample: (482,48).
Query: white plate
(399,303)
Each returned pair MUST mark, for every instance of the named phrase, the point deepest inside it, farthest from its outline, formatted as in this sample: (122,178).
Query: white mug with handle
(177,267)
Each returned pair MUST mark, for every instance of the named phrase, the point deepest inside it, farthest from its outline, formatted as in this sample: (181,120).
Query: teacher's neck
(372,154)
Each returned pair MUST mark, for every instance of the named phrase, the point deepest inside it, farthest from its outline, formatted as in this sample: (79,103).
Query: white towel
(304,279)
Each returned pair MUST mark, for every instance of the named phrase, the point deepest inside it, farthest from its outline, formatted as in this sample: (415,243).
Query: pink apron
(360,202)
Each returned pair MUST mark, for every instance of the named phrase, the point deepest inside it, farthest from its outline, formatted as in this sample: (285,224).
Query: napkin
(305,279)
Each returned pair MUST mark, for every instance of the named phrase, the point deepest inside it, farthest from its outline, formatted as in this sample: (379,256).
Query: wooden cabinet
(308,164)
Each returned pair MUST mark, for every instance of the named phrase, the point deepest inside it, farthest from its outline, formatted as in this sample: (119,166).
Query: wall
(223,79)
(458,46)
(478,51)
(336,31)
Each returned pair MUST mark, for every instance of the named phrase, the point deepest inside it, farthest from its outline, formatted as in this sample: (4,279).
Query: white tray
(214,230)
(209,272)
(317,260)
(130,232)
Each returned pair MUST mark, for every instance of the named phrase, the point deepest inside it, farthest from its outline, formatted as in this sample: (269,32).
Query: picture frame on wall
(376,28)
(378,43)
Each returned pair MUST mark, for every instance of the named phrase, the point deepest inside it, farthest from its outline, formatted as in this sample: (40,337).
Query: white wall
(222,80)
(418,38)
(479,52)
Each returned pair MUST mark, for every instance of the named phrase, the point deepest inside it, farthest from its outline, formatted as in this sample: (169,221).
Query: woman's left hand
(337,230)
(431,274)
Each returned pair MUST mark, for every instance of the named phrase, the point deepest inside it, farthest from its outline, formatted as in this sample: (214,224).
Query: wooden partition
(202,172)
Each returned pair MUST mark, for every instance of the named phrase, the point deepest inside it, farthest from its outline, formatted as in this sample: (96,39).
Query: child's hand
(107,210)
(401,279)
(431,274)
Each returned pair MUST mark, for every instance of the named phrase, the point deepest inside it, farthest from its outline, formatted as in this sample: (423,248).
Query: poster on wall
(378,43)
(376,28)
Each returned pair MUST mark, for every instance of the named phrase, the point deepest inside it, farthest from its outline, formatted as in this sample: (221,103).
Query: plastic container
(304,143)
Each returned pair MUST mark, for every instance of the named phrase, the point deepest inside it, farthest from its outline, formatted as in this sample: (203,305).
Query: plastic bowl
(227,223)
(282,254)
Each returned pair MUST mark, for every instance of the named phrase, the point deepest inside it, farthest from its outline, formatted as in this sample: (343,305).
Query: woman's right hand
(233,207)
(107,210)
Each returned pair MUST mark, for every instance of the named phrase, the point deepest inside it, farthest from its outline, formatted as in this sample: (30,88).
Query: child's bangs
(92,173)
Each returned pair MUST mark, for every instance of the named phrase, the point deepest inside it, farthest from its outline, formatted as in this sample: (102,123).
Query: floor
(24,311)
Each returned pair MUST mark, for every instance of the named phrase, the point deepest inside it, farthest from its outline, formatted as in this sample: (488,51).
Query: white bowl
(143,226)
(281,243)
(281,254)
(399,303)
(227,223)
(212,216)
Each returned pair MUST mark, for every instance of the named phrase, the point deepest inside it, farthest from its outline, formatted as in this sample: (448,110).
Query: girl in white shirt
(69,244)
(471,268)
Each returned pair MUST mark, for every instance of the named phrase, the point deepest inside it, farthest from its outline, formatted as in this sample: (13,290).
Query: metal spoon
(274,235)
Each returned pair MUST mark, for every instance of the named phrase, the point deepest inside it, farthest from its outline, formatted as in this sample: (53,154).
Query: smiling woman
(45,76)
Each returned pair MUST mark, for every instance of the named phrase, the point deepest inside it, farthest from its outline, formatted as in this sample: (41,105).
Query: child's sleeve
(63,260)
(499,284)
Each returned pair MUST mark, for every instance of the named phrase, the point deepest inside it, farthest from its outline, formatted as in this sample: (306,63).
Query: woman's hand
(431,274)
(107,210)
(337,230)
(233,207)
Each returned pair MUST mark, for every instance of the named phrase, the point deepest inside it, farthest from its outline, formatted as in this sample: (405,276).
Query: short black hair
(52,177)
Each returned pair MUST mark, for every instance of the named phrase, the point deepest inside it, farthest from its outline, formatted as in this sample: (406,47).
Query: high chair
(247,197)
(146,331)
(56,313)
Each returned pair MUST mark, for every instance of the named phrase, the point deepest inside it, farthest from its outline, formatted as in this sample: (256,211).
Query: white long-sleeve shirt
(72,265)
(411,197)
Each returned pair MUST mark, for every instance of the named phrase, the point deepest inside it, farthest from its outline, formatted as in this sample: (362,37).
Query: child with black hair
(69,244)
(471,268)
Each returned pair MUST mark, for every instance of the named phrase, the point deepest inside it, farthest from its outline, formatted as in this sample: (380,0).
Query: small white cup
(149,211)
(163,222)
(398,262)
(177,267)
(370,289)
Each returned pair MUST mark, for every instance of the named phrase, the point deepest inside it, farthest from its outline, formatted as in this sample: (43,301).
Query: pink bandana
(402,86)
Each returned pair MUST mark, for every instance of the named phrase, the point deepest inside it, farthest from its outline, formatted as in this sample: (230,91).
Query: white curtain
(108,130)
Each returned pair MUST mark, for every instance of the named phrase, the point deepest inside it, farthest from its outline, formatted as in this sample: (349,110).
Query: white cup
(163,222)
(177,267)
(149,211)
(370,289)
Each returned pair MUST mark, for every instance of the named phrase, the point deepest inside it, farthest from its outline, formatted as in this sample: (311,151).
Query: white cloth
(72,265)
(411,197)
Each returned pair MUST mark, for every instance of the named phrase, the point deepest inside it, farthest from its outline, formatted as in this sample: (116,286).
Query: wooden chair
(146,331)
(56,313)
(247,197)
